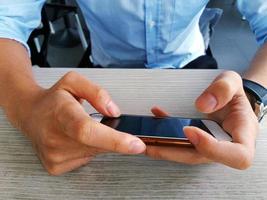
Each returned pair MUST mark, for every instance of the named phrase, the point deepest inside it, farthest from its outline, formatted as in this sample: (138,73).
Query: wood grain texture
(115,176)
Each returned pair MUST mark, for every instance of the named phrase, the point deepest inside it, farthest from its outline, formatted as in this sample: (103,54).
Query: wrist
(19,103)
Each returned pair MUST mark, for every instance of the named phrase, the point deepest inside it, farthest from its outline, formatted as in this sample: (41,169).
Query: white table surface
(115,176)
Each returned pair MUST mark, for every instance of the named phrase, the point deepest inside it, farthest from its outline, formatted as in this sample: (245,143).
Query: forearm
(258,68)
(17,83)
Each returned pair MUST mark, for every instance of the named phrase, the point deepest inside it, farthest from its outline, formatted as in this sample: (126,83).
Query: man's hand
(225,102)
(62,133)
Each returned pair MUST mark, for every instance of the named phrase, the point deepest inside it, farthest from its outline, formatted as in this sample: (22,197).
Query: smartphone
(162,130)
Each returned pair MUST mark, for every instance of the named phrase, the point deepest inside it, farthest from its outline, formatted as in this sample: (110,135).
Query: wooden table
(115,176)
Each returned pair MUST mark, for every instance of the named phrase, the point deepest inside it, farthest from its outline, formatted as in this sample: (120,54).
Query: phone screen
(169,127)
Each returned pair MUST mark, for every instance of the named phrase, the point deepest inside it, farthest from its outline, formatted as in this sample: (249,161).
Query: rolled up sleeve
(18,18)
(255,12)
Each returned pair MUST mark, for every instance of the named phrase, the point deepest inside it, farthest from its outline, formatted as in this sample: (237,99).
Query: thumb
(234,155)
(204,143)
(220,92)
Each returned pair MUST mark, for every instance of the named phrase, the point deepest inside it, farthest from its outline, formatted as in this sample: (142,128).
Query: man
(125,33)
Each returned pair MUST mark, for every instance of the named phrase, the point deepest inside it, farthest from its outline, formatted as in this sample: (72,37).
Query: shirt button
(151,24)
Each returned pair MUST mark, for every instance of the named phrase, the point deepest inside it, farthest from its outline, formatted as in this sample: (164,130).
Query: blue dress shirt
(129,33)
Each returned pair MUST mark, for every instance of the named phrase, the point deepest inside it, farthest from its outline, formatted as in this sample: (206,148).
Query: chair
(208,20)
(39,52)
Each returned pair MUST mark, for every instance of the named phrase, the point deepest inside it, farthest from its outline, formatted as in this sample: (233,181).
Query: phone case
(165,142)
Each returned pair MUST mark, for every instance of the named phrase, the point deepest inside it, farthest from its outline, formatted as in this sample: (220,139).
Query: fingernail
(113,109)
(137,146)
(192,137)
(207,102)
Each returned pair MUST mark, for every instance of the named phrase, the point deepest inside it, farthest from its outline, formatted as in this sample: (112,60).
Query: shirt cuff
(3,36)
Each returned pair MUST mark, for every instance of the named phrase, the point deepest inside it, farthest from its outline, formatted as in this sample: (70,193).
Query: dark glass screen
(151,126)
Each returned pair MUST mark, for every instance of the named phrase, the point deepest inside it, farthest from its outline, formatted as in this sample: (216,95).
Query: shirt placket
(152,11)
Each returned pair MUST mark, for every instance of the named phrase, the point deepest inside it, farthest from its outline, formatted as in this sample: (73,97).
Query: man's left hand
(225,102)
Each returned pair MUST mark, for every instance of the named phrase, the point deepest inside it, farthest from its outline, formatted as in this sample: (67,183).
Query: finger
(241,122)
(81,87)
(58,169)
(69,152)
(220,92)
(178,154)
(75,123)
(235,155)
(158,112)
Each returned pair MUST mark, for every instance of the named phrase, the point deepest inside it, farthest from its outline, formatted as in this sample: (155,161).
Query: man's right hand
(62,133)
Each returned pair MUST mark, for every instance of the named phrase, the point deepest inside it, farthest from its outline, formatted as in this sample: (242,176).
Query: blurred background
(63,38)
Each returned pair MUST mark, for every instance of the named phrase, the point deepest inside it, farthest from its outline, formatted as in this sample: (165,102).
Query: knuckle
(102,94)
(245,160)
(52,157)
(235,77)
(232,74)
(70,77)
(224,86)
(53,170)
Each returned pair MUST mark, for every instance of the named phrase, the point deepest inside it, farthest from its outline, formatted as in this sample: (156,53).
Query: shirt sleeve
(255,12)
(18,18)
